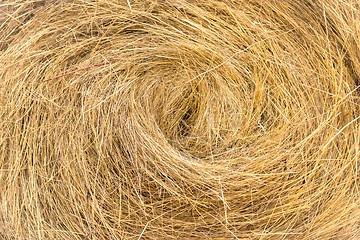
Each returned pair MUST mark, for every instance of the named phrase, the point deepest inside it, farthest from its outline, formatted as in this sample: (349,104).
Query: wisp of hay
(179,119)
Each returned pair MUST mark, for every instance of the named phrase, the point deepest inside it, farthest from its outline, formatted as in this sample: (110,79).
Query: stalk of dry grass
(179,119)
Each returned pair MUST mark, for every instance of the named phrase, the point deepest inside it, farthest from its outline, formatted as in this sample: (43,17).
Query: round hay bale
(179,119)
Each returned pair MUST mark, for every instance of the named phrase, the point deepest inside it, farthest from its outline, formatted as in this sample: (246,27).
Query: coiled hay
(179,119)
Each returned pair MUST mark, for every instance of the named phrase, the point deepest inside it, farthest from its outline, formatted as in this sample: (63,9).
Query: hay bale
(179,119)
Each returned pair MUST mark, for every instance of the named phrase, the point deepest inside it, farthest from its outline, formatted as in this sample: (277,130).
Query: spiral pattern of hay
(179,119)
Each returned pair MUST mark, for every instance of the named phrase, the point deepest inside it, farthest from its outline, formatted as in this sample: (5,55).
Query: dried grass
(179,119)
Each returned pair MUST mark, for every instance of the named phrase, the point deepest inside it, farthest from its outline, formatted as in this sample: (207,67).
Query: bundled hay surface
(179,119)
